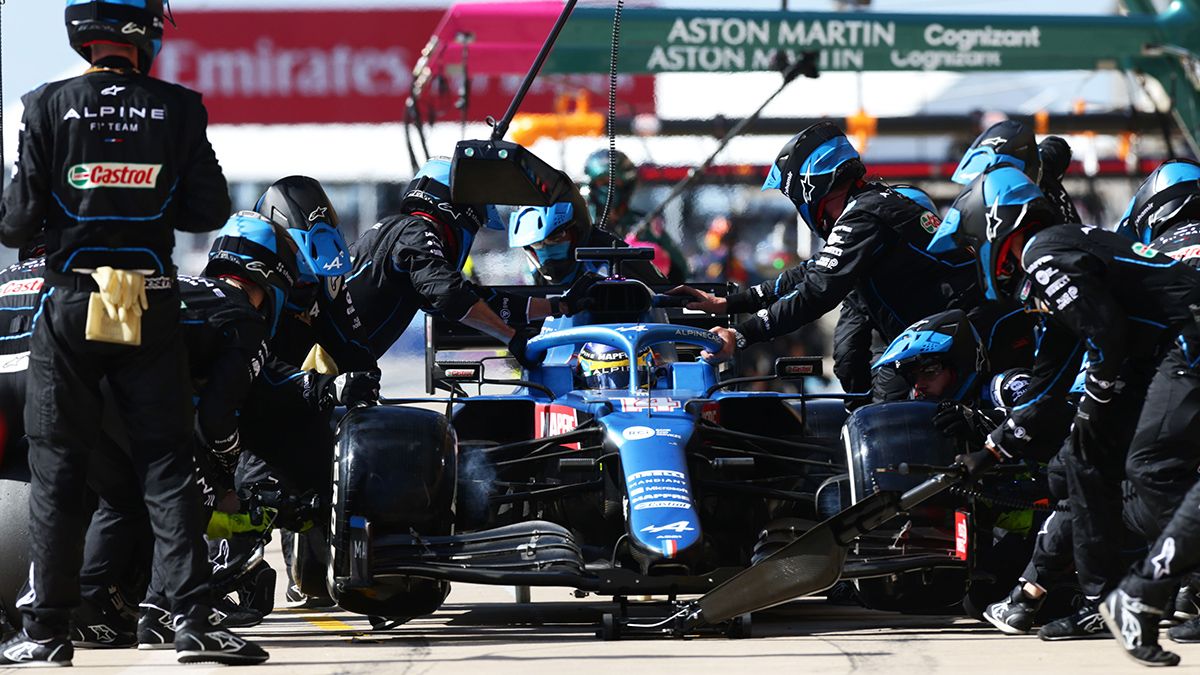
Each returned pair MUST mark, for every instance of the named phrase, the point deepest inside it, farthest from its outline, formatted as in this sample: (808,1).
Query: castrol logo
(111,175)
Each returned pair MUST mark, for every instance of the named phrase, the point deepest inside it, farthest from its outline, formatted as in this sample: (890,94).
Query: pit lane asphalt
(481,629)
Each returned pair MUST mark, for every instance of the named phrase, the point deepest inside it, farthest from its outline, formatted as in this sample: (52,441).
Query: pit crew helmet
(606,367)
(624,180)
(549,235)
(999,203)
(1169,195)
(251,248)
(947,339)
(133,22)
(299,204)
(810,166)
(1008,142)
(429,193)
(918,195)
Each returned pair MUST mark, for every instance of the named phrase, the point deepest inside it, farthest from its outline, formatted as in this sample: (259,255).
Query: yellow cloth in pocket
(115,312)
(320,361)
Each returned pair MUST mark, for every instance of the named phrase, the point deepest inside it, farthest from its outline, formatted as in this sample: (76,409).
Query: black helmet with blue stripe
(947,338)
(919,196)
(983,219)
(251,248)
(1169,195)
(133,22)
(300,204)
(810,166)
(1007,142)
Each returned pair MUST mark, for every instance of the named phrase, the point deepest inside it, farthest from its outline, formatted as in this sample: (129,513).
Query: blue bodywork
(648,427)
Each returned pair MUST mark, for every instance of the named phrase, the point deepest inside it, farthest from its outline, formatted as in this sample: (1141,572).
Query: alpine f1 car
(670,484)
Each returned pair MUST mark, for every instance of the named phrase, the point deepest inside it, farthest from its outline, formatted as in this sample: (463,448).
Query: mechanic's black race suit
(110,163)
(226,343)
(876,249)
(1124,306)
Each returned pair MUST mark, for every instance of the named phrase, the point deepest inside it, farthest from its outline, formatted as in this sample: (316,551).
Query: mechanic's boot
(257,591)
(1135,626)
(197,640)
(296,598)
(22,651)
(156,629)
(94,628)
(1187,603)
(1187,632)
(1084,623)
(1014,614)
(229,614)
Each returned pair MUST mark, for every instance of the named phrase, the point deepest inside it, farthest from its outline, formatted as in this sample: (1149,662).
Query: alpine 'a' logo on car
(678,526)
(113,175)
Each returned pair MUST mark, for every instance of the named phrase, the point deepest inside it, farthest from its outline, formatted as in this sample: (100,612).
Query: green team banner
(688,41)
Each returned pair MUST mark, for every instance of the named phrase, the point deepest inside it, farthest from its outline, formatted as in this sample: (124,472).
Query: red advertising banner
(351,66)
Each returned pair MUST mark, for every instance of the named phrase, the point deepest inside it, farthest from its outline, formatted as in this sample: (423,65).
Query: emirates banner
(353,66)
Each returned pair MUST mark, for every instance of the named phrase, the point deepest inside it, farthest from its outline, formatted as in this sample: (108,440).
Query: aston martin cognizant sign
(663,41)
(350,66)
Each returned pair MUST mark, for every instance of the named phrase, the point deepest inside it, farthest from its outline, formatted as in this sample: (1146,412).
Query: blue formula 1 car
(669,485)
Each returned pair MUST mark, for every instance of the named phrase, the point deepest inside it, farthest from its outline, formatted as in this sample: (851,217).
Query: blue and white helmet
(251,248)
(1169,195)
(300,204)
(1007,142)
(947,337)
(549,235)
(810,165)
(919,196)
(133,22)
(983,218)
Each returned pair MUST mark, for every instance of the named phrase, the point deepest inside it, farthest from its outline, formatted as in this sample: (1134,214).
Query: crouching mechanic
(286,424)
(875,241)
(1122,305)
(108,196)
(414,260)
(549,235)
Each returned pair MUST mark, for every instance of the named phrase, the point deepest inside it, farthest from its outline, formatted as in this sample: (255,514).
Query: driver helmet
(941,355)
(1007,142)
(253,249)
(624,181)
(606,367)
(1001,203)
(132,22)
(1169,195)
(300,204)
(810,166)
(428,193)
(549,235)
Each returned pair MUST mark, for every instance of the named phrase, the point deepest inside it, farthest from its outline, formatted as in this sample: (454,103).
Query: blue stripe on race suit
(354,276)
(884,302)
(939,260)
(1145,263)
(1053,380)
(996,325)
(36,316)
(136,219)
(136,249)
(276,383)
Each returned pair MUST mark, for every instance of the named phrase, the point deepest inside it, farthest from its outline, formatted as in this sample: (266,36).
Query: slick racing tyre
(14,537)
(395,471)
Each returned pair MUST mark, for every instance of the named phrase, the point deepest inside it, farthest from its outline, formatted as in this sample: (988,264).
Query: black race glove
(576,298)
(1087,415)
(975,463)
(354,388)
(517,347)
(953,419)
